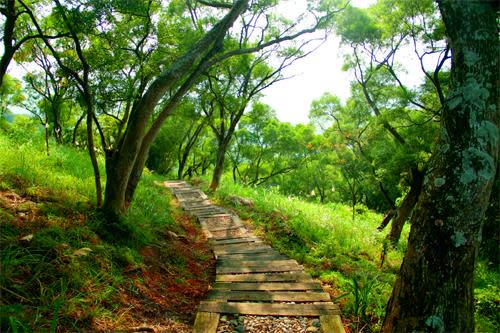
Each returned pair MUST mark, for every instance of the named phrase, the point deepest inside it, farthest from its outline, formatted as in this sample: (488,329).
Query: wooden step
(270,255)
(240,246)
(267,309)
(262,277)
(229,227)
(235,240)
(254,263)
(267,286)
(258,269)
(276,296)
(255,249)
(206,322)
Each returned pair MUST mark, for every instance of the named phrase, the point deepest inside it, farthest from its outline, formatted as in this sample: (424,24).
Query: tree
(16,32)
(375,37)
(434,288)
(232,89)
(156,75)
(10,95)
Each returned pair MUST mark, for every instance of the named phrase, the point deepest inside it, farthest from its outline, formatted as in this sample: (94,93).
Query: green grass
(46,286)
(345,253)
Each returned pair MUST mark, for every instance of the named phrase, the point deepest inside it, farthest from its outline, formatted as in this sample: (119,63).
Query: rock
(223,318)
(312,329)
(241,201)
(233,322)
(316,322)
(240,329)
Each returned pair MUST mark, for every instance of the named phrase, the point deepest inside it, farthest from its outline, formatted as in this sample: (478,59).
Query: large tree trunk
(434,288)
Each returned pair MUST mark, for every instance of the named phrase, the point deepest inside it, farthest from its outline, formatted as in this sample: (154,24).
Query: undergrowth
(58,274)
(344,254)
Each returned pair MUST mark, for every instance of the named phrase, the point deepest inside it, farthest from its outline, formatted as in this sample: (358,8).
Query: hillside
(61,273)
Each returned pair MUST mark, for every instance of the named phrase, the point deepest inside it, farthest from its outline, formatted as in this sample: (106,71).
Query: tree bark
(434,288)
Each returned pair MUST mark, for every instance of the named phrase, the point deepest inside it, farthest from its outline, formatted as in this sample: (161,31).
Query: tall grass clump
(67,171)
(57,271)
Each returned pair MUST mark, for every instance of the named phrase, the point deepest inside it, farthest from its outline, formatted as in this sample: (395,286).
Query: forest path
(252,278)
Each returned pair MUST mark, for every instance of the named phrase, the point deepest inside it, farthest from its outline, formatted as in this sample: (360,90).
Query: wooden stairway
(251,278)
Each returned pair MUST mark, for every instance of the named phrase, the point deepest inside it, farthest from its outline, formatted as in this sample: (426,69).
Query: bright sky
(314,75)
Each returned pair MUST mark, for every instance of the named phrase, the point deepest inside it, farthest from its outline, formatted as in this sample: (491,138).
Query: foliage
(11,95)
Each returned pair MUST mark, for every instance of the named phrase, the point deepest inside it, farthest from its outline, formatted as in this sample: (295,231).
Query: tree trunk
(75,130)
(387,218)
(219,163)
(404,210)
(434,288)
(182,166)
(8,37)
(91,149)
(187,150)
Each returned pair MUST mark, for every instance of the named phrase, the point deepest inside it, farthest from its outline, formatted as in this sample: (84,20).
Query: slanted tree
(434,288)
(158,80)
(375,38)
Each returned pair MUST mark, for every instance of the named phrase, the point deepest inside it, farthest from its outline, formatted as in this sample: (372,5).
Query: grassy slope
(48,283)
(344,254)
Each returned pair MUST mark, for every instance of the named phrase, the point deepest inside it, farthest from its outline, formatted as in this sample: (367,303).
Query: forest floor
(156,291)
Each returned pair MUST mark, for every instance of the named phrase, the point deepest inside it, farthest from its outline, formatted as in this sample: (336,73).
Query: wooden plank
(267,286)
(206,322)
(211,215)
(232,226)
(197,204)
(183,197)
(331,323)
(256,249)
(229,247)
(258,269)
(262,277)
(235,240)
(268,309)
(205,208)
(252,257)
(254,263)
(277,296)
